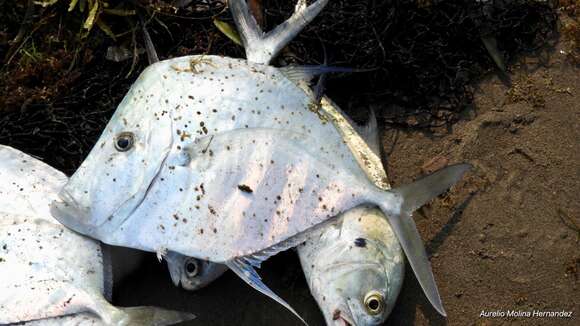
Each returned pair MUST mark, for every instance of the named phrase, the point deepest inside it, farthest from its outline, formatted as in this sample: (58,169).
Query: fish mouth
(67,211)
(341,319)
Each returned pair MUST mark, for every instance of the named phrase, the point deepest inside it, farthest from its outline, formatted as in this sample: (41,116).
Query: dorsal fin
(304,74)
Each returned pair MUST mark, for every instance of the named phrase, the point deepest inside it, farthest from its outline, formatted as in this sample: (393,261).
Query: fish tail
(399,205)
(155,316)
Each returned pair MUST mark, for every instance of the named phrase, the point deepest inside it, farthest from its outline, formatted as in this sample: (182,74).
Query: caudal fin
(411,197)
(155,316)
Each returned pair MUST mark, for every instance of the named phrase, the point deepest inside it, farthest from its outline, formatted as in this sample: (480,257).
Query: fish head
(191,273)
(114,178)
(358,276)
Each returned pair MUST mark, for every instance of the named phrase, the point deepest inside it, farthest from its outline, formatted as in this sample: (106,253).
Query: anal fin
(245,270)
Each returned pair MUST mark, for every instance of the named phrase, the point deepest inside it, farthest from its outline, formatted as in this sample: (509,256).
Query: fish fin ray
(414,196)
(262,47)
(370,133)
(244,268)
(425,189)
(304,74)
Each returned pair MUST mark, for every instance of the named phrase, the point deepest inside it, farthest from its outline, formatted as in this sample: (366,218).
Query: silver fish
(355,267)
(231,161)
(191,273)
(46,270)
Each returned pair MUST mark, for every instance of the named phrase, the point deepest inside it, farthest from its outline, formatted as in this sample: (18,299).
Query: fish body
(352,264)
(47,270)
(214,176)
(229,161)
(355,267)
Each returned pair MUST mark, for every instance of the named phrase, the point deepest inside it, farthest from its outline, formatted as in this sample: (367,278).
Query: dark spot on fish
(360,242)
(278,197)
(336,314)
(176,217)
(211,210)
(4,247)
(214,230)
(245,188)
(200,231)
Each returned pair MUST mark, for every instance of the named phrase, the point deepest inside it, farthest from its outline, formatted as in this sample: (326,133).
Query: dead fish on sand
(47,271)
(355,267)
(230,161)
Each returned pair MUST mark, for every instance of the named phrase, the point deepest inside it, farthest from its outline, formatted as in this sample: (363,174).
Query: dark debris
(58,91)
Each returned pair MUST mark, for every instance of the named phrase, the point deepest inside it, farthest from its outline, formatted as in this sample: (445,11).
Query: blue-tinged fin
(414,196)
(305,74)
(490,44)
(244,268)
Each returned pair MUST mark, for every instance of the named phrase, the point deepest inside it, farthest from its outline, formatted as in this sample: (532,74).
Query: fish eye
(191,267)
(124,141)
(374,302)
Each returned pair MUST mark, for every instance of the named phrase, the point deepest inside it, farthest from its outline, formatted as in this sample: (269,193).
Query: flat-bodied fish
(230,161)
(46,270)
(355,267)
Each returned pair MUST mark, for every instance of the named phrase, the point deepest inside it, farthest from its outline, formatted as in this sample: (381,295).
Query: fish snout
(340,319)
(69,213)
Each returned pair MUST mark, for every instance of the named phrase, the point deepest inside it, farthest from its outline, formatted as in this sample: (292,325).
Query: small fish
(355,267)
(164,174)
(47,270)
(191,273)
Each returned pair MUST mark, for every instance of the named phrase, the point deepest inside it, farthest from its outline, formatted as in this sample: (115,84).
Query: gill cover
(115,177)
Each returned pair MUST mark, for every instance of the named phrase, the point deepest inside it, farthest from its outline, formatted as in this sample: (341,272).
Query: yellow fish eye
(374,303)
(124,141)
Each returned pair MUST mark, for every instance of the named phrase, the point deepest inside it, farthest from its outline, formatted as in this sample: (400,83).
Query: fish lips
(340,318)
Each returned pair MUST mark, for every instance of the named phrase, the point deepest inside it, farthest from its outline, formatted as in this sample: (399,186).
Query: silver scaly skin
(46,270)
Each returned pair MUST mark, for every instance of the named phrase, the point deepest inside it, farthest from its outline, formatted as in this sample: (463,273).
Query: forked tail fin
(262,47)
(410,197)
(155,316)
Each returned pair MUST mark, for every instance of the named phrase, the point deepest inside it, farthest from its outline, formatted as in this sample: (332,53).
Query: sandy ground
(505,238)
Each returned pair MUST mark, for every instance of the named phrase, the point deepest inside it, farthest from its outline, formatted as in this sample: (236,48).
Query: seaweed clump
(60,82)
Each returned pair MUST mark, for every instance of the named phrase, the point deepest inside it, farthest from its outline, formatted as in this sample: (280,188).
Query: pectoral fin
(246,272)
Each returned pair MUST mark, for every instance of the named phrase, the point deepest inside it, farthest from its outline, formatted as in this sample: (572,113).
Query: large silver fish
(355,267)
(47,271)
(231,161)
